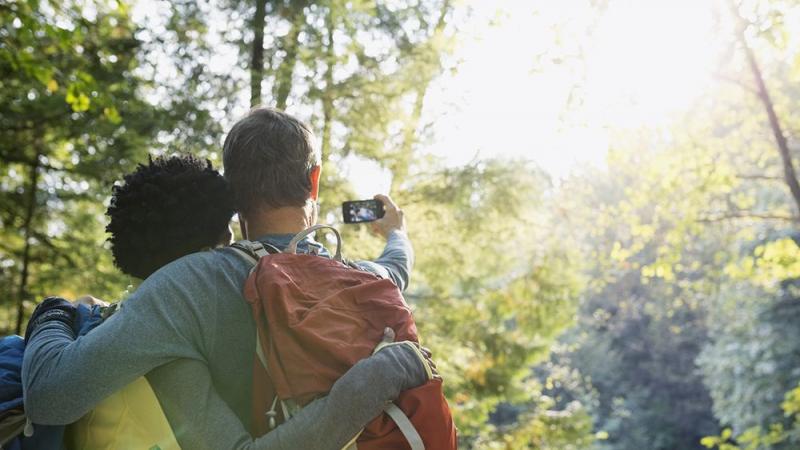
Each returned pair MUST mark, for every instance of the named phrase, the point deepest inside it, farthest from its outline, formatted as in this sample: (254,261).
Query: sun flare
(640,62)
(648,59)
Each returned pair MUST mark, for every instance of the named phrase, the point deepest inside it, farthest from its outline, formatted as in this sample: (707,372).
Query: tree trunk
(257,61)
(402,163)
(27,228)
(789,173)
(284,78)
(327,95)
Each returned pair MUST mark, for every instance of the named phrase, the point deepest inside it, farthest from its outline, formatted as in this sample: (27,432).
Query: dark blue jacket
(12,349)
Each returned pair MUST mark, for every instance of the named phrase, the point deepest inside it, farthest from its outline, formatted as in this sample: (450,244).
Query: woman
(165,209)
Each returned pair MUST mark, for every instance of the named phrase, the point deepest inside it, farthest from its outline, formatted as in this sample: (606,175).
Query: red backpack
(316,317)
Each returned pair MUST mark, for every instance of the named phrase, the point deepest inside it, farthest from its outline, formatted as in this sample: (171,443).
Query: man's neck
(285,220)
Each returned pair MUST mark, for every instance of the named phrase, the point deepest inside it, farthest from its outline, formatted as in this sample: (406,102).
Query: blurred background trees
(650,302)
(70,109)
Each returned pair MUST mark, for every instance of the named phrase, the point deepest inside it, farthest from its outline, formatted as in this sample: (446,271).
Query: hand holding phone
(389,216)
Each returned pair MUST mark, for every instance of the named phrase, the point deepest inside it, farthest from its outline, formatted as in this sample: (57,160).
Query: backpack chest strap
(254,250)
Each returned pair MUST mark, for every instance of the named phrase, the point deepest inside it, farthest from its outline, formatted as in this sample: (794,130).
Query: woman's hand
(88,300)
(425,353)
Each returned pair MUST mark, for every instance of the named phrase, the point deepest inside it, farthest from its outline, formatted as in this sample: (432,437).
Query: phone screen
(359,211)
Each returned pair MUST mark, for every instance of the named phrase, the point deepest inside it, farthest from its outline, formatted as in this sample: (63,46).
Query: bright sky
(645,60)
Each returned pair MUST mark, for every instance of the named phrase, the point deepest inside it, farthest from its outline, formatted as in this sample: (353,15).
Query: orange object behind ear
(313,177)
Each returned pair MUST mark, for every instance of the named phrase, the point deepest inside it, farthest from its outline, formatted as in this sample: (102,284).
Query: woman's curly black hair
(166,209)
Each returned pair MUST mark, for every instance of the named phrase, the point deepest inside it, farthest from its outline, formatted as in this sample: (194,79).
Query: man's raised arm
(397,258)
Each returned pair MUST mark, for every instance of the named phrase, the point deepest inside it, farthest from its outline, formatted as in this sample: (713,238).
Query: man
(189,330)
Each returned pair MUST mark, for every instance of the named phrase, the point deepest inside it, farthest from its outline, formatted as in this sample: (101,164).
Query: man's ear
(313,177)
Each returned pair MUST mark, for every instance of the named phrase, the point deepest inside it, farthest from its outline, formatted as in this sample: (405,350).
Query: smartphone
(359,211)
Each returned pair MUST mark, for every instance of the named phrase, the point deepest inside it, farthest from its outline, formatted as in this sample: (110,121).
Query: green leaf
(112,115)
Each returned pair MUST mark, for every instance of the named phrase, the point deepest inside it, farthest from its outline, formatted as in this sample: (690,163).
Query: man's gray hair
(268,157)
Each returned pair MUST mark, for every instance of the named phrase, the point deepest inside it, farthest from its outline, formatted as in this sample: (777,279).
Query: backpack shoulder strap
(253,251)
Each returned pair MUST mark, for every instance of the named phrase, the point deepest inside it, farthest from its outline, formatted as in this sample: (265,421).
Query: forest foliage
(652,303)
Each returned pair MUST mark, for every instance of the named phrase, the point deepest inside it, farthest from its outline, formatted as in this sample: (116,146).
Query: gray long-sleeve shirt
(188,328)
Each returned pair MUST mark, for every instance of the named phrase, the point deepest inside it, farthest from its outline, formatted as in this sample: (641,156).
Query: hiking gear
(16,431)
(129,418)
(316,317)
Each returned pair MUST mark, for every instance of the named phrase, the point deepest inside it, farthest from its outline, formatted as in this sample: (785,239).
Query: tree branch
(747,215)
(13,159)
(44,239)
(737,82)
(759,177)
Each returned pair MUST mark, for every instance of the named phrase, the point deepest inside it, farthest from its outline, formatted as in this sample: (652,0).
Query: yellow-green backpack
(130,418)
